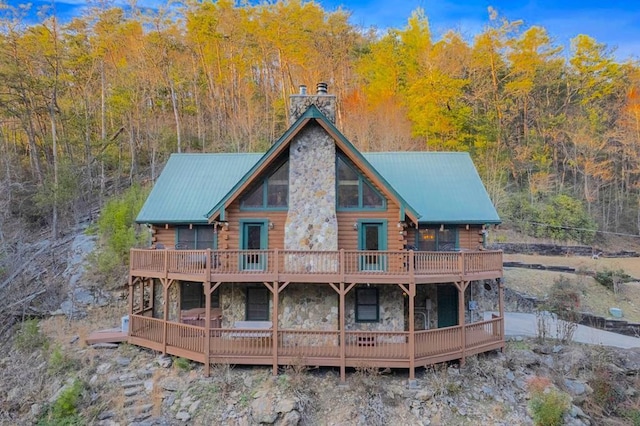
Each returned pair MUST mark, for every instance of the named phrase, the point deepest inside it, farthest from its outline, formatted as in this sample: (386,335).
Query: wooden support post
(343,335)
(152,296)
(274,322)
(130,296)
(165,314)
(142,284)
(207,324)
(412,272)
(412,331)
(501,308)
(461,319)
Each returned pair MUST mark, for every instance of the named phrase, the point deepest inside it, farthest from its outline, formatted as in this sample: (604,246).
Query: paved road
(521,324)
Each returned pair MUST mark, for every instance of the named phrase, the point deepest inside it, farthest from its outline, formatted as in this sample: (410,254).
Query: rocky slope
(49,377)
(126,385)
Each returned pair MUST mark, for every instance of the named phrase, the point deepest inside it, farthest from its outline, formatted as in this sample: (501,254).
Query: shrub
(64,411)
(606,394)
(611,279)
(116,225)
(118,232)
(29,338)
(182,364)
(563,298)
(564,301)
(59,361)
(547,404)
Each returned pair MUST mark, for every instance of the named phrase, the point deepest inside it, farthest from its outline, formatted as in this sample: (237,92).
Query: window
(367,305)
(270,193)
(432,239)
(354,191)
(192,296)
(257,304)
(196,238)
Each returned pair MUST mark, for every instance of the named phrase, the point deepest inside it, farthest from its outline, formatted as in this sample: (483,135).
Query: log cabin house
(319,254)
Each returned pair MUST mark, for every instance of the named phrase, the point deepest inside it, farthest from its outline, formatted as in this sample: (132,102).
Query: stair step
(139,409)
(133,391)
(132,384)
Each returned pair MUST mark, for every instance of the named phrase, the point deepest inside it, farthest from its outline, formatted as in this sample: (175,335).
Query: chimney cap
(321,88)
(303,89)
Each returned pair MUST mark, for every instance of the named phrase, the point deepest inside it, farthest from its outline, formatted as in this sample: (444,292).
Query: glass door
(254,237)
(372,238)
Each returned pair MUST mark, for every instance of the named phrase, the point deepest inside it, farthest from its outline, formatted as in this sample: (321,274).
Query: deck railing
(343,263)
(366,346)
(438,341)
(306,343)
(241,342)
(377,344)
(146,328)
(482,333)
(184,336)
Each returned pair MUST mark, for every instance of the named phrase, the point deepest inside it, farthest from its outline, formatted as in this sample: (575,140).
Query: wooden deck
(375,267)
(112,335)
(317,348)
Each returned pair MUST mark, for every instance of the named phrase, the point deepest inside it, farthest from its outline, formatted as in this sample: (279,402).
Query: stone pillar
(311,220)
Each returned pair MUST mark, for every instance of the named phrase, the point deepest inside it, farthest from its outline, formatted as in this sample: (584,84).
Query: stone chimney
(322,100)
(311,220)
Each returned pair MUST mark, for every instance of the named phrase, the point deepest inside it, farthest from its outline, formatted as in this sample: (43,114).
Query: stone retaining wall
(558,250)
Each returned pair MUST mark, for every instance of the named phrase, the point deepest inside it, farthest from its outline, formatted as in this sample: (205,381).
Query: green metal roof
(191,183)
(444,187)
(311,113)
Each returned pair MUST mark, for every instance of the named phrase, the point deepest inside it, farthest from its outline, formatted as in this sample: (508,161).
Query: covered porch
(317,348)
(334,340)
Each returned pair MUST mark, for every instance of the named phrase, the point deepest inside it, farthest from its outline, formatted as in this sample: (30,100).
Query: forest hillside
(97,103)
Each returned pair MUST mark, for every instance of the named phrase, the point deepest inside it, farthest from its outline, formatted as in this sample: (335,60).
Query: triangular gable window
(270,193)
(354,191)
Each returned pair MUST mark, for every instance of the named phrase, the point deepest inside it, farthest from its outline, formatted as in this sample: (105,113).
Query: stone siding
(311,220)
(233,303)
(173,302)
(308,307)
(485,295)
(423,315)
(300,103)
(391,303)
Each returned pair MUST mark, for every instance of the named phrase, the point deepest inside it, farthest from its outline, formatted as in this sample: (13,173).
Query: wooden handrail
(341,263)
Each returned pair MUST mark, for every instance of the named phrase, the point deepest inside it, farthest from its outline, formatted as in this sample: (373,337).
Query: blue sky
(614,22)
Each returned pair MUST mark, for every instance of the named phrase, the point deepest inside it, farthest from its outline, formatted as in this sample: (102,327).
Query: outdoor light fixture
(271,225)
(355,226)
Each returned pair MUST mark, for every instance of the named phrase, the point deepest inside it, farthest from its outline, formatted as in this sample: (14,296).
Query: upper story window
(354,191)
(195,237)
(271,193)
(436,239)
